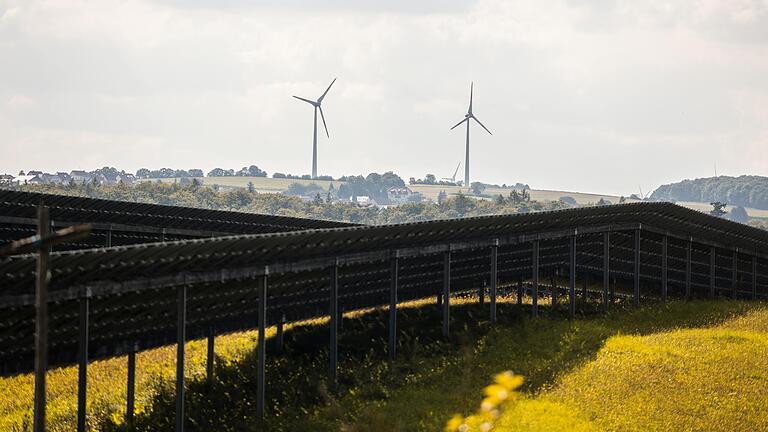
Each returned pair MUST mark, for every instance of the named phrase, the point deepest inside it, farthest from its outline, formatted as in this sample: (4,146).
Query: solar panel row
(132,295)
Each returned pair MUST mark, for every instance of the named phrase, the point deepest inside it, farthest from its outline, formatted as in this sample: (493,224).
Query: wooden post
(393,270)
(82,358)
(572,278)
(109,236)
(41,320)
(211,354)
(181,338)
(535,277)
(494,277)
(688,270)
(636,294)
(261,347)
(131,390)
(606,269)
(712,266)
(519,290)
(664,268)
(333,354)
(446,293)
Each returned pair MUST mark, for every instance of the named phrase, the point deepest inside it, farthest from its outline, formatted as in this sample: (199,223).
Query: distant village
(73,177)
(394,193)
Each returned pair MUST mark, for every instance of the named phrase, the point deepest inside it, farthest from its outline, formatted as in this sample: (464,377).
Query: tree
(318,199)
(142,173)
(442,197)
(477,188)
(429,179)
(461,204)
(251,187)
(604,202)
(278,175)
(718,209)
(195,172)
(499,199)
(746,191)
(216,172)
(738,214)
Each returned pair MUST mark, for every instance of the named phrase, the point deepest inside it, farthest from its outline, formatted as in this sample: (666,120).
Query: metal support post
(446,293)
(494,277)
(393,270)
(181,338)
(535,277)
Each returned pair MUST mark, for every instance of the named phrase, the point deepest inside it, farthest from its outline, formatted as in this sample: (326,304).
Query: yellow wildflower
(454,423)
(508,380)
(496,392)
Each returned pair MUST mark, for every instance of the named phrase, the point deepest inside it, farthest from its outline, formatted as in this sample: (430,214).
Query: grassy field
(431,192)
(711,378)
(261,184)
(658,368)
(706,207)
(270,185)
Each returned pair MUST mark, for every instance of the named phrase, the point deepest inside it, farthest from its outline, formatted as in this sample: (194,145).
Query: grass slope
(573,369)
(713,379)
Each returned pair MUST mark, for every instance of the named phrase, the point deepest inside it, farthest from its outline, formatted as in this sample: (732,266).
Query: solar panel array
(132,289)
(118,223)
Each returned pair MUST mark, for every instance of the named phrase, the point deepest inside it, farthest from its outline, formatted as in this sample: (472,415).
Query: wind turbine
(453,179)
(469,116)
(317,105)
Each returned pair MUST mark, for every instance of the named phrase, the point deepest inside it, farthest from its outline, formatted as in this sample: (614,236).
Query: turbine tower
(467,117)
(317,105)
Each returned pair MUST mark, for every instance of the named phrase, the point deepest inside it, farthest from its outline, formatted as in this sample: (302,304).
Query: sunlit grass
(107,379)
(432,379)
(713,378)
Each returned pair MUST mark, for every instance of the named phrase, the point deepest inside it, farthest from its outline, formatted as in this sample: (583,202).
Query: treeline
(249,171)
(194,195)
(746,191)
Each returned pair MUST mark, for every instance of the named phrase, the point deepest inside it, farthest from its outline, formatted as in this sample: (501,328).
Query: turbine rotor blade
(319,100)
(471,90)
(478,122)
(457,124)
(306,100)
(324,125)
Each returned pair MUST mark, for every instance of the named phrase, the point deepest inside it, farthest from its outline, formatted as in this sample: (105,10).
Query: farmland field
(648,365)
(706,207)
(261,184)
(270,185)
(431,192)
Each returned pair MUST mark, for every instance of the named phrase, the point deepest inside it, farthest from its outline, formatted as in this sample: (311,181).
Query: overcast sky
(601,96)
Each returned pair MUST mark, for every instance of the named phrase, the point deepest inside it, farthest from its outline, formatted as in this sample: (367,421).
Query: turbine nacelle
(318,107)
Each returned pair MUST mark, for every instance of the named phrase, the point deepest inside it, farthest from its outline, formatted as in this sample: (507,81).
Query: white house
(27,179)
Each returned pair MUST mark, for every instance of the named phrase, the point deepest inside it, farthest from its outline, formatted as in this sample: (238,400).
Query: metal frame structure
(147,295)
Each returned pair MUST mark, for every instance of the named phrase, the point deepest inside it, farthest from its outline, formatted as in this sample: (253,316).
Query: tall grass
(431,379)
